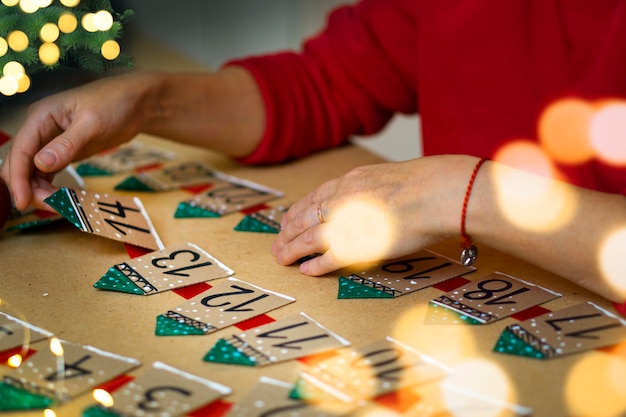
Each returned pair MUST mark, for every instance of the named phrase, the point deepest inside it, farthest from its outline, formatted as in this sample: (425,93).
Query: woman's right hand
(69,126)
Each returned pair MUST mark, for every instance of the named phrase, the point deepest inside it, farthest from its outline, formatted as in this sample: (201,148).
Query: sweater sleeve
(347,80)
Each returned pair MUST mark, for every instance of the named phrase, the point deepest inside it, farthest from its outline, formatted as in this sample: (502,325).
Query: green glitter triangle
(250,224)
(97,411)
(88,170)
(188,211)
(306,391)
(224,352)
(31,224)
(449,316)
(171,327)
(513,345)
(13,398)
(351,289)
(62,203)
(115,280)
(133,184)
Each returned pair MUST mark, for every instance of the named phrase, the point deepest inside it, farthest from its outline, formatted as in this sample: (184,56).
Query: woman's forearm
(576,233)
(222,111)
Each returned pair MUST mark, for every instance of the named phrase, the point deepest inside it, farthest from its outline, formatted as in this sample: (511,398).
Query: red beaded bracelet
(469,252)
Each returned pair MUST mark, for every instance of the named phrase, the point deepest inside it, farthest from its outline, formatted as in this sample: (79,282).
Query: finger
(64,148)
(42,188)
(321,194)
(19,165)
(321,265)
(309,242)
(301,222)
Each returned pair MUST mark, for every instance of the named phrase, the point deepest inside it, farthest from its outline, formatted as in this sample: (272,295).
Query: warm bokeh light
(88,22)
(4,47)
(102,397)
(8,86)
(23,83)
(449,343)
(13,69)
(360,231)
(595,386)
(479,381)
(56,347)
(49,53)
(15,361)
(10,3)
(49,413)
(103,20)
(531,202)
(68,23)
(70,3)
(43,3)
(527,156)
(110,50)
(49,32)
(18,41)
(564,131)
(607,132)
(28,6)
(612,260)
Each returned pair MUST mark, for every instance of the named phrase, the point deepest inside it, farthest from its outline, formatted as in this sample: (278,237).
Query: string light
(68,22)
(18,41)
(48,43)
(49,32)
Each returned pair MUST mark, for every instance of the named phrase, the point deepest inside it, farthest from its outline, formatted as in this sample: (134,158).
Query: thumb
(57,154)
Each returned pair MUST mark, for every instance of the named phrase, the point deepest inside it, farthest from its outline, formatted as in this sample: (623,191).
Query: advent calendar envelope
(270,397)
(266,220)
(574,329)
(184,174)
(16,333)
(231,195)
(60,370)
(126,158)
(286,339)
(400,276)
(115,217)
(163,270)
(356,375)
(494,297)
(162,390)
(228,302)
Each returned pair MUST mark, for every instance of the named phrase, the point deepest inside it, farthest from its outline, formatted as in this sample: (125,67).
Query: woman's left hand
(375,212)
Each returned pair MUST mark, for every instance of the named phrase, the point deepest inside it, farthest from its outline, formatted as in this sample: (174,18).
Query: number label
(574,329)
(494,297)
(229,302)
(410,273)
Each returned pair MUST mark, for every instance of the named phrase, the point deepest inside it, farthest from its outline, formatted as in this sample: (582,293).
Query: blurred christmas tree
(45,35)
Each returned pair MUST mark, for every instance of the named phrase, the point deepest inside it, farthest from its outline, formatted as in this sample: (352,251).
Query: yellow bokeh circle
(8,86)
(49,53)
(18,41)
(49,32)
(13,69)
(103,20)
(110,50)
(88,22)
(68,22)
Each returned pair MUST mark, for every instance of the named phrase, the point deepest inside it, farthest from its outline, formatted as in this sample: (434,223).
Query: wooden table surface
(48,276)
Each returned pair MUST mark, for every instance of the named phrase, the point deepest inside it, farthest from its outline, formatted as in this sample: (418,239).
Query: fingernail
(46,158)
